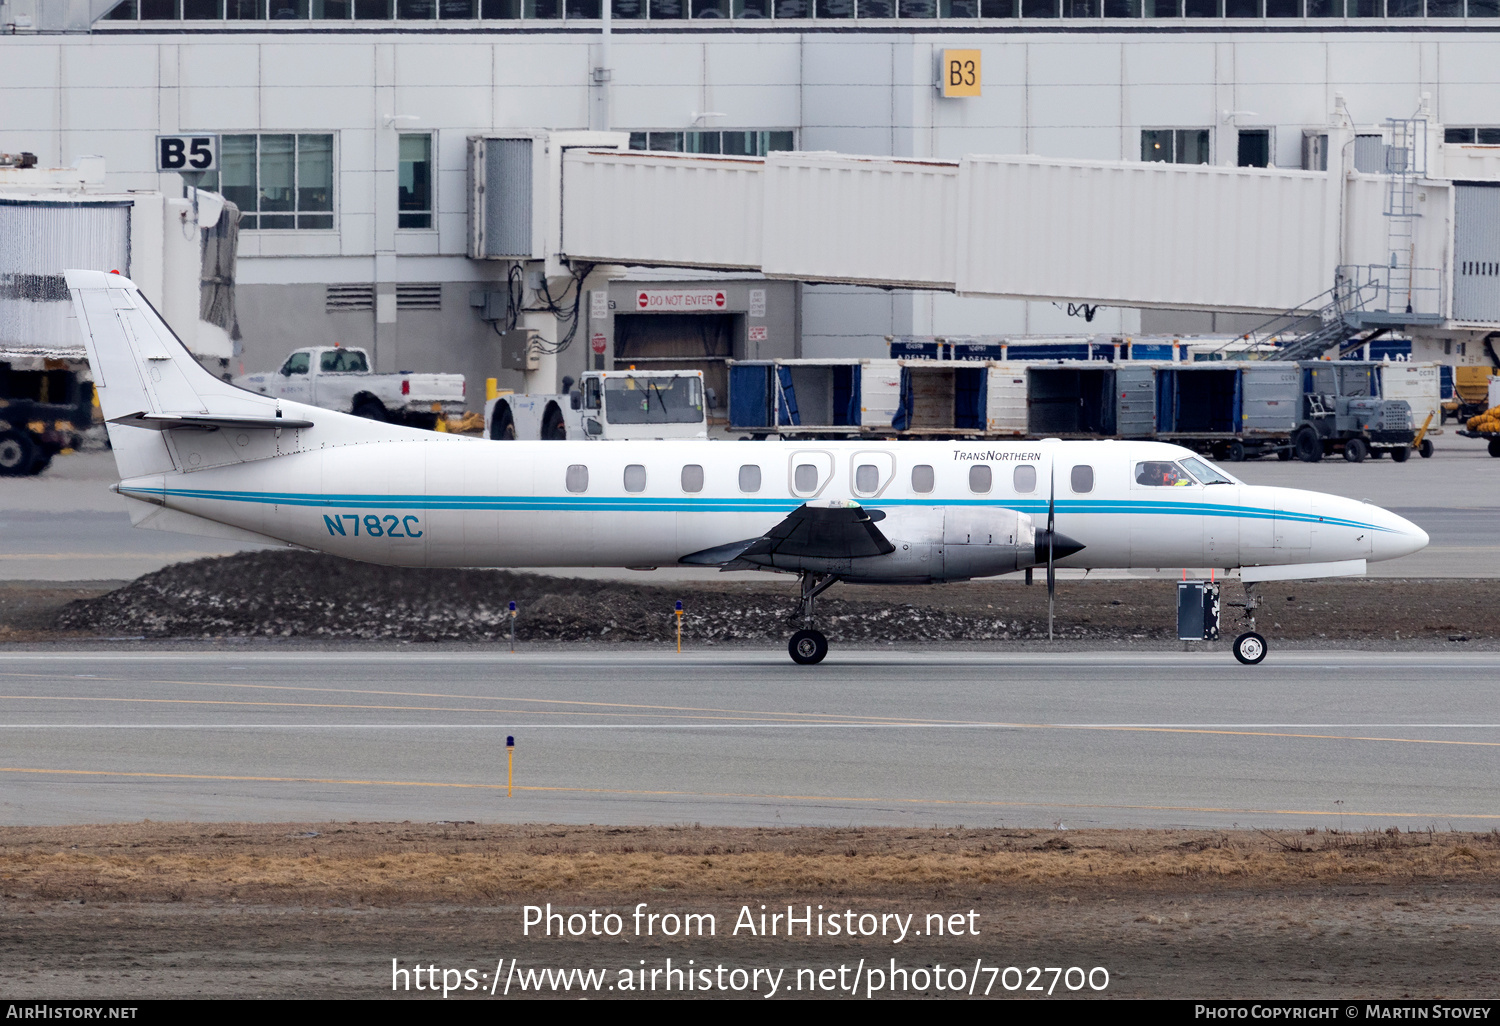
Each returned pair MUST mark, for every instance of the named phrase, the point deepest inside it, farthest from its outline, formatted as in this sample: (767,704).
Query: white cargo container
(1419,384)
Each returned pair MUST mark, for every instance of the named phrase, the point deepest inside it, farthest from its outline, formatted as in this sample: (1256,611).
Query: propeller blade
(1051,547)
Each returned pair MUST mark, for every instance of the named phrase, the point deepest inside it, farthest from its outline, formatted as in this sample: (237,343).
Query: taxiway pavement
(742,737)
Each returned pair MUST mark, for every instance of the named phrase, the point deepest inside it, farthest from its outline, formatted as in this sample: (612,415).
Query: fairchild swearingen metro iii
(200,456)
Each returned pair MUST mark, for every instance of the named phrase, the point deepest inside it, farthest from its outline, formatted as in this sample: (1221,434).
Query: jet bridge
(1124,233)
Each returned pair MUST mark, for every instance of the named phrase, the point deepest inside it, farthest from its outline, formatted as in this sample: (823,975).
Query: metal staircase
(1288,336)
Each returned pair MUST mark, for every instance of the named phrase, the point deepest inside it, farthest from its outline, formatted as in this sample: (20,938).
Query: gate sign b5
(960,73)
(187,153)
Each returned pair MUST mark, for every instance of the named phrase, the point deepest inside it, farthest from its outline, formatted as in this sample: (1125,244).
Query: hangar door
(1476,251)
(678,341)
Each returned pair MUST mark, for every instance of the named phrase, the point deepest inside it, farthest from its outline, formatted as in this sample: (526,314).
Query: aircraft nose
(1400,537)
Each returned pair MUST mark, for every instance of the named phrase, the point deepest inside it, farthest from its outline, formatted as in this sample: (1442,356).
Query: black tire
(502,424)
(1495,447)
(1425,449)
(1355,450)
(1250,648)
(17,454)
(370,409)
(1401,455)
(1236,452)
(553,427)
(42,462)
(1307,445)
(1284,455)
(807,648)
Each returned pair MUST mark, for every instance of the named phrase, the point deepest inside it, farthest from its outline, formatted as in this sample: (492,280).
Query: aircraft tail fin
(144,375)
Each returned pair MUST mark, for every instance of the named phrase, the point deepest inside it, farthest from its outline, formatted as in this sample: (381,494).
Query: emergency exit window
(414,182)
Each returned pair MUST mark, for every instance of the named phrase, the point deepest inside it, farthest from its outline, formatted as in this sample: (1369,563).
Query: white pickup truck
(339,378)
(607,404)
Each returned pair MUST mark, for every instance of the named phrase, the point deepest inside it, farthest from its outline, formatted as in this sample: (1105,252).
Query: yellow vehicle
(1471,393)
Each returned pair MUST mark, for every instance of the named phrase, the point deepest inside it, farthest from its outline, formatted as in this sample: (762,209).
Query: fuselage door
(809,473)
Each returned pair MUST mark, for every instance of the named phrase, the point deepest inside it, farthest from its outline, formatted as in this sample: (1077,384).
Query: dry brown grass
(465,863)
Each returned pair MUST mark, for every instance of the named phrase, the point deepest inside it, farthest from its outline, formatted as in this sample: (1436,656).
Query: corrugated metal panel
(685,211)
(1135,410)
(1476,252)
(39,239)
(507,198)
(1273,397)
(879,392)
(1142,234)
(1369,154)
(860,219)
(1005,406)
(1418,384)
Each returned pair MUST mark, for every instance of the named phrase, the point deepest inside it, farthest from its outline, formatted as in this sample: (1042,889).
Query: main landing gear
(808,645)
(1250,648)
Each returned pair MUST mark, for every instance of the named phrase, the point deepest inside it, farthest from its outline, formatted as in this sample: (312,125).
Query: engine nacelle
(934,544)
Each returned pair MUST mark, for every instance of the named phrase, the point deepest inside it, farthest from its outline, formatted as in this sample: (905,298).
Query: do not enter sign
(697,299)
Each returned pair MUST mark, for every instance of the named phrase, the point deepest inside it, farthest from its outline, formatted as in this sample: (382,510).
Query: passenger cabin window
(867,478)
(297,363)
(805,477)
(921,479)
(1161,474)
(980,478)
(1025,478)
(1083,479)
(578,478)
(635,478)
(692,478)
(750,478)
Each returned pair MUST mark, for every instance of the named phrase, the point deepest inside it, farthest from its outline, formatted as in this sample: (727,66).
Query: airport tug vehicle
(201,456)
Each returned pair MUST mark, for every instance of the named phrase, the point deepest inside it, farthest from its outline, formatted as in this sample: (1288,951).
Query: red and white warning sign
(674,300)
(758,333)
(596,343)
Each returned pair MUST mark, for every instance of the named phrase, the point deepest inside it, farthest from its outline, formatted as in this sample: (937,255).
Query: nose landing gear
(808,646)
(1250,648)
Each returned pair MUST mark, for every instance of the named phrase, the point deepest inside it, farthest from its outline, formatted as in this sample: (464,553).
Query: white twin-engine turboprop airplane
(200,456)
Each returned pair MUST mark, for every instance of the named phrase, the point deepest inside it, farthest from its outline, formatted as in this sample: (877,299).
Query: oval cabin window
(1025,478)
(980,478)
(635,478)
(578,478)
(1083,479)
(692,478)
(921,479)
(749,478)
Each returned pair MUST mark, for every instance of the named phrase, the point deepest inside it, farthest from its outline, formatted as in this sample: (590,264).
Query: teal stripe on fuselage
(688,504)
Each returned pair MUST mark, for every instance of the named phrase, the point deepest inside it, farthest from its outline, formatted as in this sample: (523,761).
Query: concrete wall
(1054,93)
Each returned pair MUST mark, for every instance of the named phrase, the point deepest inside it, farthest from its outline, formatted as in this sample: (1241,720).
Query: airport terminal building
(345,128)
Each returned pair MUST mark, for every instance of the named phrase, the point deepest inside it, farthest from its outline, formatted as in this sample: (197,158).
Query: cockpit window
(1161,474)
(1206,472)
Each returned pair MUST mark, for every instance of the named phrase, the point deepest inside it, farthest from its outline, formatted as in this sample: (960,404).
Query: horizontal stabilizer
(205,421)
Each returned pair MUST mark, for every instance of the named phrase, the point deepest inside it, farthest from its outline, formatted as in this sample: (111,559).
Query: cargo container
(822,397)
(1071,401)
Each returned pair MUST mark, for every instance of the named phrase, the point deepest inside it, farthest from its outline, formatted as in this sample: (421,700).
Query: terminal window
(1481,136)
(414,182)
(752,10)
(1175,145)
(278,181)
(729,143)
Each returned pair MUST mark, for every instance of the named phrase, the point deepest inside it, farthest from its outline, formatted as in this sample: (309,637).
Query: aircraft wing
(830,530)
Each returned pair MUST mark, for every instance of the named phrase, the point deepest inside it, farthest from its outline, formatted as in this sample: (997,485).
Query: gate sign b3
(675,300)
(187,153)
(960,75)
